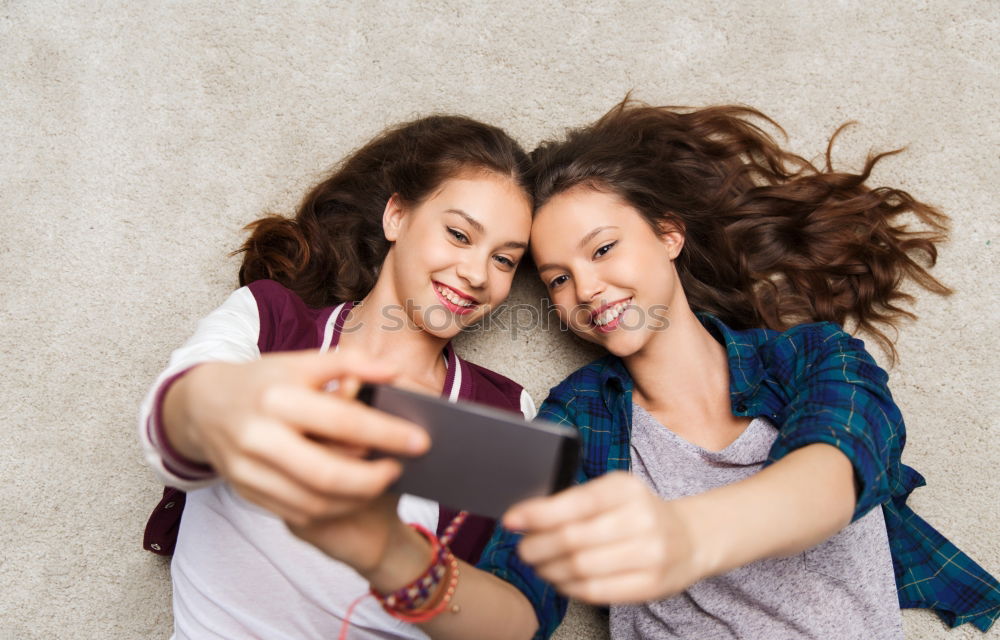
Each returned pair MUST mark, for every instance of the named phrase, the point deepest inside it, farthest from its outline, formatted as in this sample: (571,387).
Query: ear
(392,218)
(672,238)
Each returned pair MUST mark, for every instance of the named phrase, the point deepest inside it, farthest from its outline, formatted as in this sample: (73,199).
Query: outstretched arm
(835,458)
(613,540)
(280,440)
(265,423)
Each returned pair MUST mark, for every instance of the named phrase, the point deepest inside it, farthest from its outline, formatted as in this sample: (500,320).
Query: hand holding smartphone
(481,459)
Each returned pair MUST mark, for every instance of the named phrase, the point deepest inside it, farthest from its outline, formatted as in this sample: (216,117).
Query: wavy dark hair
(770,239)
(334,246)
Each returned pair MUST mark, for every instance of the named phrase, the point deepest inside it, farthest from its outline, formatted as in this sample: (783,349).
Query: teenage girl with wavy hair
(413,237)
(766,497)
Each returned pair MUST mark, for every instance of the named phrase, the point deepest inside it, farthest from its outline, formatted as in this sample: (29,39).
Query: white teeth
(453,297)
(611,313)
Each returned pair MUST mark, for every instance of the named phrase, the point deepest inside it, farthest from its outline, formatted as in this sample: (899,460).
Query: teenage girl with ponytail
(413,237)
(766,497)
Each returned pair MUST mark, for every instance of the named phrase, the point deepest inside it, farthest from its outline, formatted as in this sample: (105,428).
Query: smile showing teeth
(611,313)
(453,297)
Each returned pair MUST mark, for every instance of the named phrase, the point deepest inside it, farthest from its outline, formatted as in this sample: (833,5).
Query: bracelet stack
(432,591)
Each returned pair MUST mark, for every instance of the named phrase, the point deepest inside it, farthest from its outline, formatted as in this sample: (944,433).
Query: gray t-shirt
(843,588)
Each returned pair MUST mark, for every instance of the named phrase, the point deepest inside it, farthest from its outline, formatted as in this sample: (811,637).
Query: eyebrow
(590,236)
(478,226)
(587,238)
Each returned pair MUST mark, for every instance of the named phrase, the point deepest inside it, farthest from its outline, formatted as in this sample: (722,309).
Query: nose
(588,286)
(474,270)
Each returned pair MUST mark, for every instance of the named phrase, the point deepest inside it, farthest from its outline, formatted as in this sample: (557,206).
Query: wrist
(707,540)
(175,415)
(405,556)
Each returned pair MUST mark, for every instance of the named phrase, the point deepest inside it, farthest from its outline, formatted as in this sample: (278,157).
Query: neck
(379,328)
(682,368)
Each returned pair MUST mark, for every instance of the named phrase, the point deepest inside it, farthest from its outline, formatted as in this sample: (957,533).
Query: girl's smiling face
(609,274)
(455,253)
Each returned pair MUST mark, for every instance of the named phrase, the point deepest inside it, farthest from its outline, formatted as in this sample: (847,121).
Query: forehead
(571,215)
(495,201)
(479,185)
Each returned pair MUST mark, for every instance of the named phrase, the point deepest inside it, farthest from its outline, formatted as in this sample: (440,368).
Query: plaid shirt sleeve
(500,556)
(837,395)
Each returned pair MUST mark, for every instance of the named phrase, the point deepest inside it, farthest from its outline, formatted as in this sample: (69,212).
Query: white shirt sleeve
(527,406)
(228,334)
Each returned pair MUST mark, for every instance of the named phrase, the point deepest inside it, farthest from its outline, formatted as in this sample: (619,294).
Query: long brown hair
(770,239)
(333,248)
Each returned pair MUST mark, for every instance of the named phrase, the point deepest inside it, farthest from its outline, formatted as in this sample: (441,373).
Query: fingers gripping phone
(481,459)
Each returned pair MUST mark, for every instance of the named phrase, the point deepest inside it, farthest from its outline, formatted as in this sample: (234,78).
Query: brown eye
(603,249)
(458,235)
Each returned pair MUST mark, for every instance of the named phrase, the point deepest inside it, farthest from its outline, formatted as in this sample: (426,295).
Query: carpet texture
(136,139)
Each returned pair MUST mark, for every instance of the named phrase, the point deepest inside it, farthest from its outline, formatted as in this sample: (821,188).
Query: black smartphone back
(481,459)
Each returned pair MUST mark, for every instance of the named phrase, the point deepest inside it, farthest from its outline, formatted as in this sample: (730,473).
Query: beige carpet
(137,138)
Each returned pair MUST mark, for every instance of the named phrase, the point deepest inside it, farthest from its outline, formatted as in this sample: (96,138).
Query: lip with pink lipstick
(454,300)
(608,317)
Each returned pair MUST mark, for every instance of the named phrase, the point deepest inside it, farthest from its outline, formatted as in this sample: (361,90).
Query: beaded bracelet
(433,609)
(415,595)
(415,602)
(452,528)
(441,556)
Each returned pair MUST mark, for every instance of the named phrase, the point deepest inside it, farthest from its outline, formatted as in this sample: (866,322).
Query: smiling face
(454,254)
(610,276)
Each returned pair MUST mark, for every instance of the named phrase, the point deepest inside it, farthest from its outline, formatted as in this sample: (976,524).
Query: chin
(455,325)
(445,333)
(620,351)
(622,344)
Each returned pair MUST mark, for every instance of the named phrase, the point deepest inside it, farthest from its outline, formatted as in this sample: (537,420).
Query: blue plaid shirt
(816,383)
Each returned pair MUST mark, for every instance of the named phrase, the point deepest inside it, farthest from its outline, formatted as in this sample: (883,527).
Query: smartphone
(481,459)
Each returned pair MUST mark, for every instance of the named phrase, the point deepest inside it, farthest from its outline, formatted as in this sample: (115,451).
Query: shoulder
(580,391)
(815,346)
(489,387)
(587,379)
(814,334)
(272,294)
(798,341)
(813,338)
(286,322)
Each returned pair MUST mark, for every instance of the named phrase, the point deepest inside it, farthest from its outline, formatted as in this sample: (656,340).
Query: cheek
(443,261)
(410,255)
(571,314)
(638,267)
(636,319)
(437,254)
(500,284)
